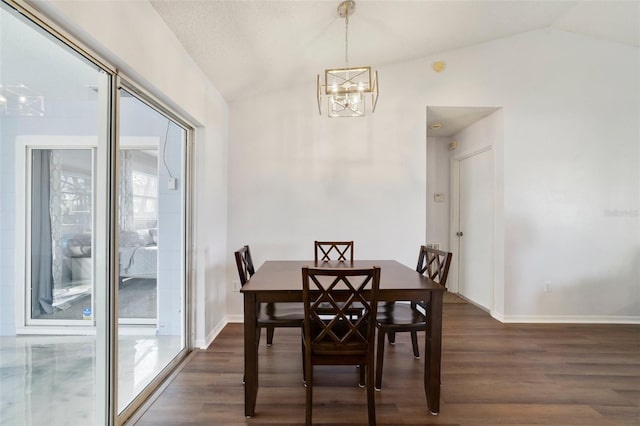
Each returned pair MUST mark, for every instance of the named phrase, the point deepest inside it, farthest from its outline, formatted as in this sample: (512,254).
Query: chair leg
(363,380)
(392,337)
(304,365)
(308,394)
(379,359)
(414,343)
(270,336)
(371,397)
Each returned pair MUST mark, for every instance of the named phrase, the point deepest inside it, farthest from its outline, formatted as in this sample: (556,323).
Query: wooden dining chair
(270,315)
(333,250)
(340,339)
(411,317)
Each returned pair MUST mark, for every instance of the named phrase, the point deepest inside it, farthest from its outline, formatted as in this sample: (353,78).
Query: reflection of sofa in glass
(75,280)
(139,253)
(78,251)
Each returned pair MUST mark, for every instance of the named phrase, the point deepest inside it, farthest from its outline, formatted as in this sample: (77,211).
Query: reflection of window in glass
(61,233)
(145,196)
(75,195)
(138,189)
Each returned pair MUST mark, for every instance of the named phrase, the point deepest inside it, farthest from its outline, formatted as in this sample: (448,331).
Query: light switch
(439,197)
(172,184)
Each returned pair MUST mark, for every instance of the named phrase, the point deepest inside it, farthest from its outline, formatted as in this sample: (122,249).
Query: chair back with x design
(335,330)
(333,250)
(434,264)
(244,264)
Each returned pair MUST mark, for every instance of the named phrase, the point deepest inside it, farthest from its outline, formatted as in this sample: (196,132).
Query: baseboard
(235,318)
(497,315)
(212,335)
(569,319)
(528,319)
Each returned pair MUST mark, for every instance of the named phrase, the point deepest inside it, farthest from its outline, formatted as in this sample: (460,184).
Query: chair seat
(281,314)
(351,349)
(400,314)
(336,343)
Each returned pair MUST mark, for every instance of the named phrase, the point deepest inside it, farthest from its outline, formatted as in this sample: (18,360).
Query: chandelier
(347,89)
(19,99)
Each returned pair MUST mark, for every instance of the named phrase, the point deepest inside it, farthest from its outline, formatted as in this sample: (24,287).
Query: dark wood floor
(492,374)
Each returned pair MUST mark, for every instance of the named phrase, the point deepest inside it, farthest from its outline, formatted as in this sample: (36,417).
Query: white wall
(438,182)
(133,37)
(570,170)
(295,177)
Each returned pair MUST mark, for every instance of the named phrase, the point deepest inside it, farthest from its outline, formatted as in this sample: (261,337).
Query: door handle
(459,233)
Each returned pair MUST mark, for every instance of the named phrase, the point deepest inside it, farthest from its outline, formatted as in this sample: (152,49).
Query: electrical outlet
(547,286)
(236,285)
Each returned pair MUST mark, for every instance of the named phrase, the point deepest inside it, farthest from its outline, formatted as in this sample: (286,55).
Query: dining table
(281,281)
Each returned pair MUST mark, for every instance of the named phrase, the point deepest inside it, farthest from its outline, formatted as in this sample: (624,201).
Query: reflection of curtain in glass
(55,209)
(41,253)
(126,191)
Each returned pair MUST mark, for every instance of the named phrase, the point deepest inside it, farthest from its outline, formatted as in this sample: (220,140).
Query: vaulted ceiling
(250,47)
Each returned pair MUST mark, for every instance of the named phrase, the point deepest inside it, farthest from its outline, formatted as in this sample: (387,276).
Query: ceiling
(448,121)
(256,46)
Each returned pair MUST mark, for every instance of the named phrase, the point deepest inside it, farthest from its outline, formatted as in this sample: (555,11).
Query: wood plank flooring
(492,374)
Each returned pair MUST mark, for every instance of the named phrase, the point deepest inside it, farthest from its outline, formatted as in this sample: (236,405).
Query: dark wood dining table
(281,281)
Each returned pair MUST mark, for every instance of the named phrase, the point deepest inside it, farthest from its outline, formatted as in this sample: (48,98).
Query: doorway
(473,225)
(464,186)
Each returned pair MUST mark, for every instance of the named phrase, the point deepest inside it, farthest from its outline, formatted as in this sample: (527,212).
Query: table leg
(250,355)
(433,353)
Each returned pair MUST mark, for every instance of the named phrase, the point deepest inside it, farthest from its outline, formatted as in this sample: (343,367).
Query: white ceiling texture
(247,47)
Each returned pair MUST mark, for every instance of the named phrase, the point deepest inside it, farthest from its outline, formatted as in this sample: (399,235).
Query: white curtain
(55,211)
(126,191)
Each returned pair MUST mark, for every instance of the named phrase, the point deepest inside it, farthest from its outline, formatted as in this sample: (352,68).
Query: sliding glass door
(151,226)
(93,311)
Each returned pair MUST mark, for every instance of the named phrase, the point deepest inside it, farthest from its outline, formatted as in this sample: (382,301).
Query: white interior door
(475,228)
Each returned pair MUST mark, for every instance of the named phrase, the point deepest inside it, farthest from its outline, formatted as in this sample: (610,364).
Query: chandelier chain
(346,40)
